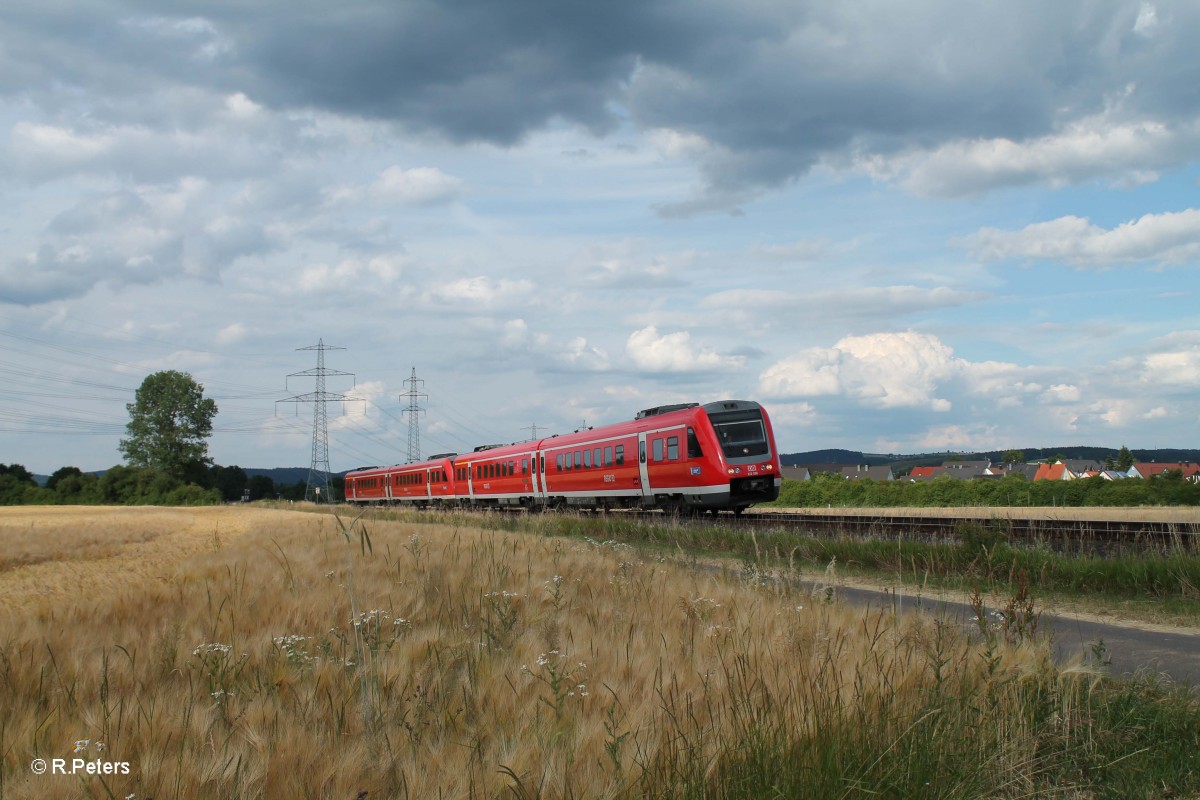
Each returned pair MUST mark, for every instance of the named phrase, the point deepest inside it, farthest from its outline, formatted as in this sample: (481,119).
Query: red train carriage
(423,483)
(367,485)
(498,475)
(687,457)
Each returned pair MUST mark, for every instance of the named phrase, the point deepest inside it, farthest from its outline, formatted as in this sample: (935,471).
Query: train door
(388,478)
(644,471)
(539,476)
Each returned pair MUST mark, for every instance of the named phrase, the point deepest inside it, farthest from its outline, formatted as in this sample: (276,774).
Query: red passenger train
(717,456)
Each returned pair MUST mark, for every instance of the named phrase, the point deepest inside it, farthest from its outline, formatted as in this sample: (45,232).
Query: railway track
(1059,532)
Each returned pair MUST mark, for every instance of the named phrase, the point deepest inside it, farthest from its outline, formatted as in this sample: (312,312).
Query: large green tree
(170,421)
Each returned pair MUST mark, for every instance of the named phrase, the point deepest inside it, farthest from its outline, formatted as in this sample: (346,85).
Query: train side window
(512,468)
(658,449)
(673,448)
(620,455)
(587,459)
(608,456)
(694,450)
(578,460)
(558,462)
(524,466)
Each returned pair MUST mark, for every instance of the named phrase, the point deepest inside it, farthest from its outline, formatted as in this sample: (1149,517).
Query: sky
(902,228)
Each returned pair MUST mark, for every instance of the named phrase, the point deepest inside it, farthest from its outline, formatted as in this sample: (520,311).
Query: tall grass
(320,658)
(978,554)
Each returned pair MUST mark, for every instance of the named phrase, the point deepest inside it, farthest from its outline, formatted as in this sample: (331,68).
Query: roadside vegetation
(825,490)
(311,656)
(1162,584)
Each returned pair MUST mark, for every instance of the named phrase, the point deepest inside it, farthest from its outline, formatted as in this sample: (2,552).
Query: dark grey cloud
(773,87)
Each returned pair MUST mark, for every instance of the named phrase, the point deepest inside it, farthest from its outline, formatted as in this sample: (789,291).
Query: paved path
(1129,648)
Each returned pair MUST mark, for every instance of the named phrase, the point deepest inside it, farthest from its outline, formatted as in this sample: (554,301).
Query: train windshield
(741,433)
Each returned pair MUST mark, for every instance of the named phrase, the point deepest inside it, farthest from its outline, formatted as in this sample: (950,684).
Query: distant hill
(832,456)
(280,475)
(905,462)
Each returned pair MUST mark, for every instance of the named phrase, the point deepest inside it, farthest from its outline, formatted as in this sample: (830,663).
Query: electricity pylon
(318,471)
(414,411)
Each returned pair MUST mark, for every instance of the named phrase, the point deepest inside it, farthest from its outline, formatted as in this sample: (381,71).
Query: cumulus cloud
(423,186)
(650,351)
(885,370)
(480,292)
(349,274)
(419,186)
(231,334)
(575,354)
(1174,365)
(1170,238)
(132,237)
(626,264)
(355,412)
(1062,393)
(1099,147)
(957,437)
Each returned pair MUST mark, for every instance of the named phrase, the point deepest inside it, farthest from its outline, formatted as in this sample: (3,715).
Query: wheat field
(258,653)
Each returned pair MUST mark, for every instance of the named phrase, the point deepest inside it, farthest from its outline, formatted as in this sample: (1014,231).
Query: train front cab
(742,431)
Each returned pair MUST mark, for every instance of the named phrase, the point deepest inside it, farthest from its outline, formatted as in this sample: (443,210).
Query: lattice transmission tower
(318,488)
(414,411)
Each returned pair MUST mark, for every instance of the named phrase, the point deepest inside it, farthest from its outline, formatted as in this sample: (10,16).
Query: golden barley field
(259,653)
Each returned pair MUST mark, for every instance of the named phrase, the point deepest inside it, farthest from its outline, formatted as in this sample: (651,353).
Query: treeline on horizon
(125,485)
(824,489)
